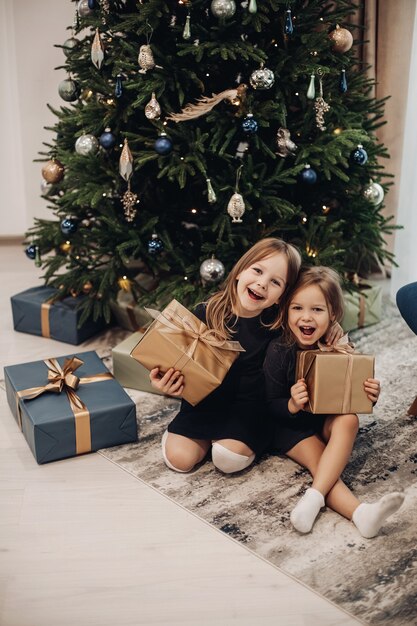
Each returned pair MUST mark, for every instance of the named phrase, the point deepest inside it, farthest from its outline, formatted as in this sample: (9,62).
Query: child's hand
(334,333)
(171,383)
(372,388)
(299,396)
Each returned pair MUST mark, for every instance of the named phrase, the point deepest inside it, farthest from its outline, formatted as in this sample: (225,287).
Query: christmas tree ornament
(65,247)
(145,59)
(373,192)
(125,283)
(253,7)
(38,261)
(155,245)
(126,162)
(69,226)
(341,39)
(205,104)
(87,287)
(320,106)
(186,33)
(212,270)
(68,90)
(152,109)
(343,86)
(285,146)
(97,50)
(69,45)
(46,188)
(263,78)
(118,88)
(311,91)
(31,251)
(83,9)
(92,4)
(53,171)
(74,293)
(308,175)
(130,202)
(107,139)
(211,195)
(236,205)
(163,145)
(223,9)
(359,156)
(241,149)
(288,28)
(249,125)
(86,144)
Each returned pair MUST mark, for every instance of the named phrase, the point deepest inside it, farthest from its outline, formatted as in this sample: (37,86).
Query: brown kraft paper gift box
(335,381)
(178,339)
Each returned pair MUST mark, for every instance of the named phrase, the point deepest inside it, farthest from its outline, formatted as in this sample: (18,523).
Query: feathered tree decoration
(205,104)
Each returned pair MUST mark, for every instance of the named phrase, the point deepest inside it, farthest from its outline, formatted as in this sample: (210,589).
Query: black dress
(236,409)
(289,428)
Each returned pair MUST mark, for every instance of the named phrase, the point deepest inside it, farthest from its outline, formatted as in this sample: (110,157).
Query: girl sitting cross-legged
(321,443)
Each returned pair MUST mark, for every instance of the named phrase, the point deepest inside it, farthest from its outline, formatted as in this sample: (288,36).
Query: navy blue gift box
(87,414)
(32,314)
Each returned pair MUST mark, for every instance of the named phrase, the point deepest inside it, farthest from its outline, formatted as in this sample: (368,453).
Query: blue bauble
(68,226)
(249,124)
(92,4)
(308,176)
(163,145)
(155,245)
(107,139)
(31,252)
(359,156)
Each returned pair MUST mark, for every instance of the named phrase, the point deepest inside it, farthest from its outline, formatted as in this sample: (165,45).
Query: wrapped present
(363,307)
(178,339)
(334,378)
(69,406)
(128,371)
(34,313)
(128,314)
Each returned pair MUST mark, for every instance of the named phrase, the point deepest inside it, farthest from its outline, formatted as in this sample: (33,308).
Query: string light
(311,251)
(325,208)
(193,210)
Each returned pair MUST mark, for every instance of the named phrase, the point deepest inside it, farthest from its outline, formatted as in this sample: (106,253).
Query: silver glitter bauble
(373,192)
(263,78)
(68,90)
(69,45)
(212,270)
(223,8)
(86,144)
(83,9)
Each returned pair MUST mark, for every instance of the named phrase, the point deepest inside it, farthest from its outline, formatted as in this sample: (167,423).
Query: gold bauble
(87,287)
(53,171)
(341,39)
(65,247)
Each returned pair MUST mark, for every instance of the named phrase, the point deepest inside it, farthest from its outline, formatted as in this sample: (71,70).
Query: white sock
(368,518)
(306,510)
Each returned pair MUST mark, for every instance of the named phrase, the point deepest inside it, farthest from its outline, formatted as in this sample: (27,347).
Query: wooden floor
(84,544)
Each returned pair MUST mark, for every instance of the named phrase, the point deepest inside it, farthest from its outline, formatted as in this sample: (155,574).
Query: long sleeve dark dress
(236,409)
(289,428)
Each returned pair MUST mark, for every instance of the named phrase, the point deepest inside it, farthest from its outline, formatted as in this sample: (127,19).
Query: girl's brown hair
(220,306)
(328,281)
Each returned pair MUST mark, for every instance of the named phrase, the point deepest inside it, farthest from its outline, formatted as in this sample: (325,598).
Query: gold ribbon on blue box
(177,338)
(60,410)
(334,376)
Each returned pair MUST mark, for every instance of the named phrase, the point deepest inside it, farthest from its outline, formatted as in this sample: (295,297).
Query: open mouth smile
(255,296)
(307,331)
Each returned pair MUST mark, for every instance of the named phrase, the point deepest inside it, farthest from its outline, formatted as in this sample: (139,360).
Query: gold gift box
(177,338)
(335,381)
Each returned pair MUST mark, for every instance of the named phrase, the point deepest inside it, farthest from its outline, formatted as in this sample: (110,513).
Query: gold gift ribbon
(45,329)
(63,379)
(343,346)
(195,329)
(361,313)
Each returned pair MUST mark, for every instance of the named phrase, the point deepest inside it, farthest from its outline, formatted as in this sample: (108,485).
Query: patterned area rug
(371,579)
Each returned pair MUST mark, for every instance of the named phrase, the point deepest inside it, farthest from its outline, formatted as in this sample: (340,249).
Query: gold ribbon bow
(342,346)
(63,379)
(195,329)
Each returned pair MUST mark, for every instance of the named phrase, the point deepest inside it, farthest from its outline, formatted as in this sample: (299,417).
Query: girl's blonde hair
(220,306)
(328,281)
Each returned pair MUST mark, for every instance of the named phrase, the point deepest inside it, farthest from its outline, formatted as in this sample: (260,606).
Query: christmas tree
(193,129)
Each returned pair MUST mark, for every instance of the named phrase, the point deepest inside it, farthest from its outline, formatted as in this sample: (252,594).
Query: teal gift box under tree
(69,406)
(33,313)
